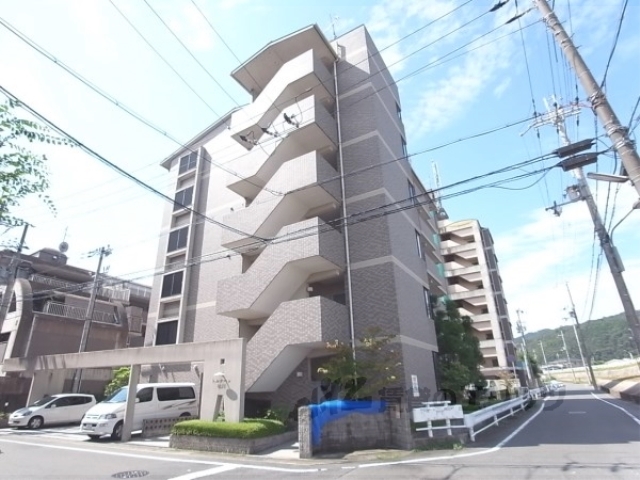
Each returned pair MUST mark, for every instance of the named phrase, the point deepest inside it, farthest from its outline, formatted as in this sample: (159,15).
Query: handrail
(78,313)
(494,412)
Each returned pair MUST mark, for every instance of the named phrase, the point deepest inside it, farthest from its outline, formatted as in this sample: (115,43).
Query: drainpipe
(345,230)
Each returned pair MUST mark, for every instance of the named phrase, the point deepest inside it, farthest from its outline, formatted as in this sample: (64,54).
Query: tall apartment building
(474,283)
(47,311)
(277,271)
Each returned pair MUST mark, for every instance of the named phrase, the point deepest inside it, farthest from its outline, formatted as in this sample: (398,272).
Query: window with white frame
(178,239)
(188,162)
(412,193)
(167,333)
(172,284)
(405,152)
(183,198)
(428,303)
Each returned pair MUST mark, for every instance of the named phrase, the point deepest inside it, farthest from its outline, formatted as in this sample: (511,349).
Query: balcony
(317,131)
(300,76)
(310,175)
(281,269)
(288,336)
(78,313)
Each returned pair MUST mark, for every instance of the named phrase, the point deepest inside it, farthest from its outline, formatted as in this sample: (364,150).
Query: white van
(153,400)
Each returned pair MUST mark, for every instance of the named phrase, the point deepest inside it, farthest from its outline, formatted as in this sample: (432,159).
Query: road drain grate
(131,474)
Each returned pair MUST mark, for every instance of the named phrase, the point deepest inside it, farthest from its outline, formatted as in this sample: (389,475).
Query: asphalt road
(573,434)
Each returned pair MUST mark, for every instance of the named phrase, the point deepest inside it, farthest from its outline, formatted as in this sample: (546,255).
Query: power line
(150,45)
(190,53)
(114,100)
(615,44)
(118,169)
(435,63)
(352,219)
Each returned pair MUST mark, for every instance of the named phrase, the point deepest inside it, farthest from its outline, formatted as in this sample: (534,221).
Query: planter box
(230,445)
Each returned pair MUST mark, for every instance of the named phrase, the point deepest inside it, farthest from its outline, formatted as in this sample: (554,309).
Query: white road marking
(205,473)
(462,455)
(633,417)
(164,459)
(576,413)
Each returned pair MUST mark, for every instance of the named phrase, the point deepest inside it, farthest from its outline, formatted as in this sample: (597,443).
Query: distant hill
(607,338)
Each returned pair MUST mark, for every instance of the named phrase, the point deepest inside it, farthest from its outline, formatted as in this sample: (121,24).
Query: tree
(120,379)
(22,172)
(459,356)
(376,366)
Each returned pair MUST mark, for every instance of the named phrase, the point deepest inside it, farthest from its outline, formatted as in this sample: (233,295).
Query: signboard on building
(414,386)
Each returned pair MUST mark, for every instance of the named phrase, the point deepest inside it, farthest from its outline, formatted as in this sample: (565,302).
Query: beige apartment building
(47,312)
(474,283)
(255,245)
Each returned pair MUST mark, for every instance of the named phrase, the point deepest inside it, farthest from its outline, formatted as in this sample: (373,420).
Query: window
(428,303)
(412,193)
(167,333)
(184,198)
(489,336)
(178,239)
(172,284)
(4,337)
(419,244)
(79,400)
(188,162)
(145,395)
(166,394)
(494,362)
(405,153)
(399,112)
(61,402)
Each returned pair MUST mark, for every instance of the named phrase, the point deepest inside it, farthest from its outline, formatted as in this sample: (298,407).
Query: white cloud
(537,258)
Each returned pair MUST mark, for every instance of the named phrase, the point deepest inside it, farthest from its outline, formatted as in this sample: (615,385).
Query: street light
(606,177)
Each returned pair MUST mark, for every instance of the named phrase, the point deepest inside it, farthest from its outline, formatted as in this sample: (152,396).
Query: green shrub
(249,428)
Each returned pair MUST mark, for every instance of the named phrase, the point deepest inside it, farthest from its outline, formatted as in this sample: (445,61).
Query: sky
(458,76)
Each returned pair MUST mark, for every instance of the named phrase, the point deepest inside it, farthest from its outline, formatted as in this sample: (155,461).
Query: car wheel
(94,437)
(185,414)
(36,422)
(117,432)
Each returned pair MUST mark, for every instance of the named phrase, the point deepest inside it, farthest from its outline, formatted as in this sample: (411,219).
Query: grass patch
(249,428)
(444,444)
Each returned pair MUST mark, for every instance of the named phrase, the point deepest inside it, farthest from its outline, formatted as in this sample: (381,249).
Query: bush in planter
(249,428)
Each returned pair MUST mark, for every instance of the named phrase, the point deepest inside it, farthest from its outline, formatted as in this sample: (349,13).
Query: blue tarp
(330,411)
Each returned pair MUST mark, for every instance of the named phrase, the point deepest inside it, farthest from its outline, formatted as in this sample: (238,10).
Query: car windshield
(42,401)
(118,396)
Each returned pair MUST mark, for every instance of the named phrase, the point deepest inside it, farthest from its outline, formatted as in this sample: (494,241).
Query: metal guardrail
(78,313)
(495,413)
(443,411)
(52,282)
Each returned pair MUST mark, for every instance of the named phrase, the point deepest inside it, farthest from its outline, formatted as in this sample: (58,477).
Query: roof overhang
(255,73)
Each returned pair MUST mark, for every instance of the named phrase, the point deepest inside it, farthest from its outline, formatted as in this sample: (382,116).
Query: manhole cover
(131,474)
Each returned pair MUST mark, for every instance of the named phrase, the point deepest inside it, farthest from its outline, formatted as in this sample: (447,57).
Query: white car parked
(56,409)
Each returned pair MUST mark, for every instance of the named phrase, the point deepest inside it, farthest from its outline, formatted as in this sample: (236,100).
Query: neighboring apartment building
(46,315)
(475,284)
(277,273)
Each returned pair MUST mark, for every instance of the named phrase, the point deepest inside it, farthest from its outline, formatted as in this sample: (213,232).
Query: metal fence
(71,311)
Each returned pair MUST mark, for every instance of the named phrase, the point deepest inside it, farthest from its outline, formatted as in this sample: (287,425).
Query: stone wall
(156,427)
(230,445)
(356,431)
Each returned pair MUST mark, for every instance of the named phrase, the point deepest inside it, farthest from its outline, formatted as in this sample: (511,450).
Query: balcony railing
(114,293)
(71,311)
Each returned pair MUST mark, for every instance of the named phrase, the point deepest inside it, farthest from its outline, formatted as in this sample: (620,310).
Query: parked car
(153,400)
(55,409)
(555,385)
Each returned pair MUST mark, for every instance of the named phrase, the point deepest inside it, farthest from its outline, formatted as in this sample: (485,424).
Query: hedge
(249,428)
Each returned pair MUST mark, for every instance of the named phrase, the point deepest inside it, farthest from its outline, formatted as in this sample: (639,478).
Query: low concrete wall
(356,431)
(230,445)
(156,427)
(626,389)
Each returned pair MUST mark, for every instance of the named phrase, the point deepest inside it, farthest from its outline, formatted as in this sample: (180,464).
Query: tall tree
(22,172)
(459,356)
(376,365)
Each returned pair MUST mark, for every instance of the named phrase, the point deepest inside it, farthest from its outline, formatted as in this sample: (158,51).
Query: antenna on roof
(334,18)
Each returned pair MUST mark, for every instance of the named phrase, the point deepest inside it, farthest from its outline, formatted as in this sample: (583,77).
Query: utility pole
(88,317)
(618,134)
(581,345)
(5,303)
(544,357)
(521,329)
(566,350)
(556,117)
